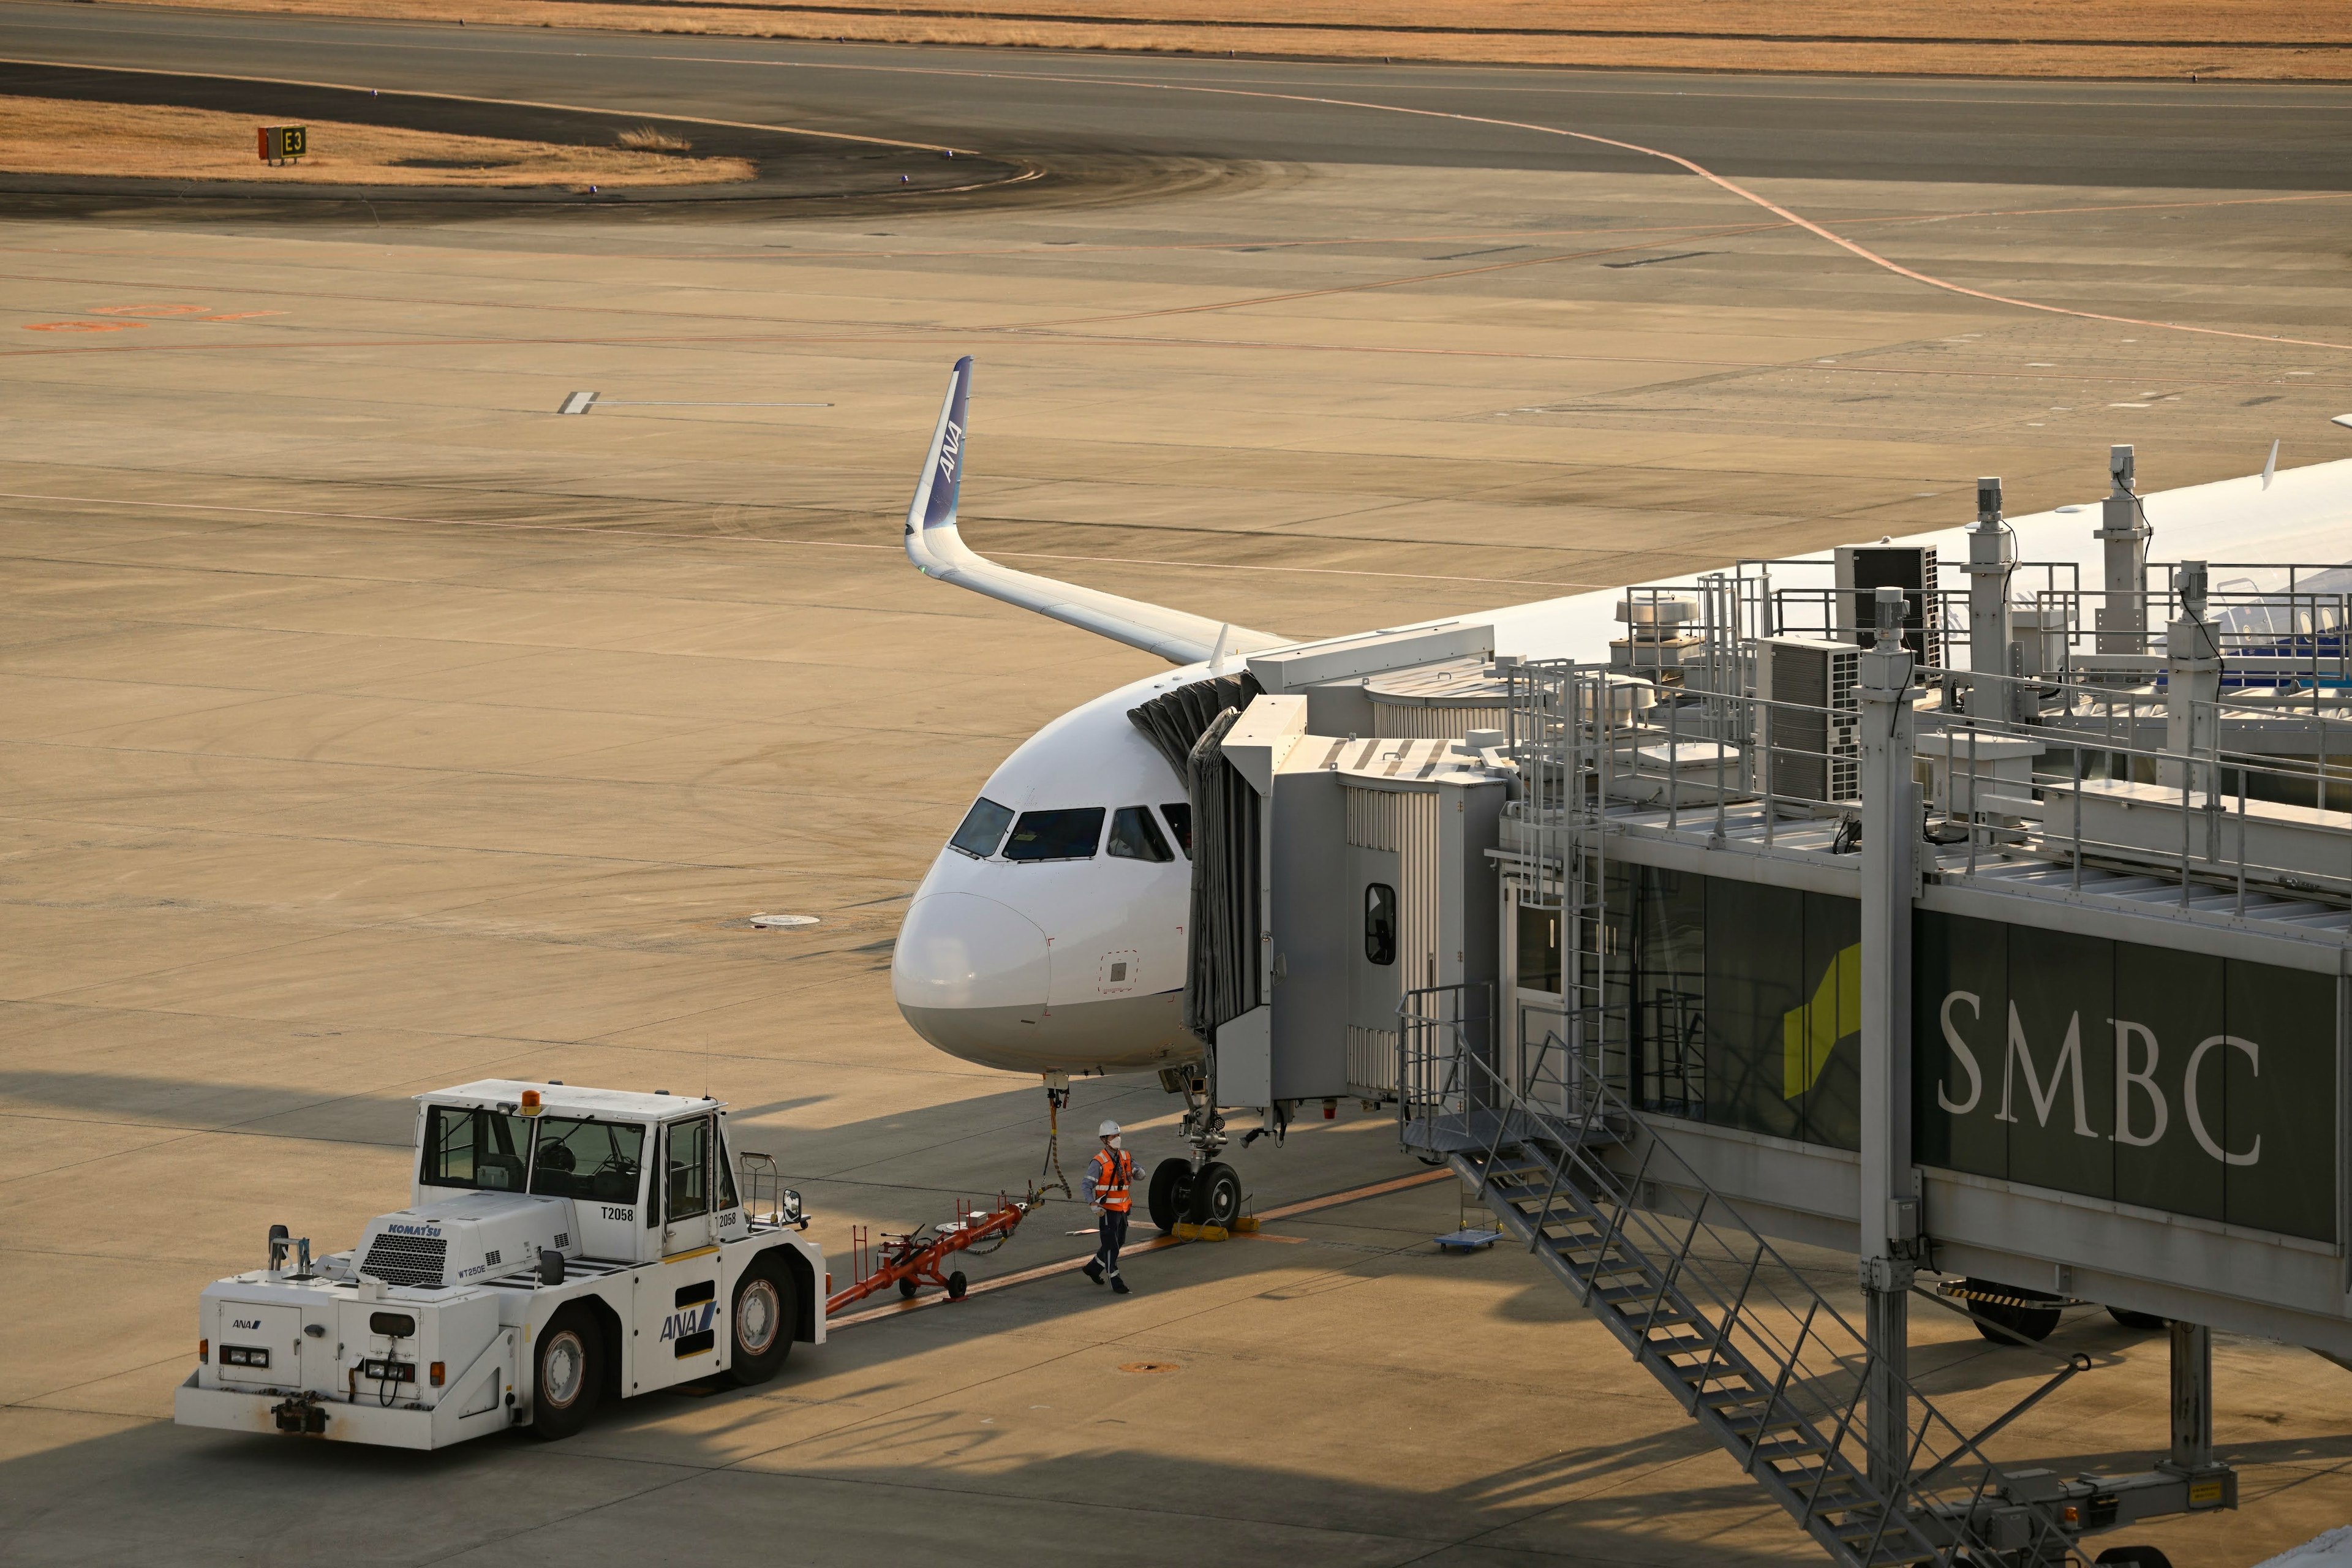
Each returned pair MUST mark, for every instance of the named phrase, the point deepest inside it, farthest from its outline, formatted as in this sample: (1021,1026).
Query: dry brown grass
(651,138)
(51,136)
(2235,40)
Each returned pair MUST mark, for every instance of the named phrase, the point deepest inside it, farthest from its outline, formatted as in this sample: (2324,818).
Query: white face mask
(1111,1142)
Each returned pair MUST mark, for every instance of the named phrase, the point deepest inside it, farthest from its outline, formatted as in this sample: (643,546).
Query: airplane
(1049,935)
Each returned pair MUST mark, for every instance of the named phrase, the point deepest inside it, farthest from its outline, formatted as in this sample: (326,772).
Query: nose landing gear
(1178,1194)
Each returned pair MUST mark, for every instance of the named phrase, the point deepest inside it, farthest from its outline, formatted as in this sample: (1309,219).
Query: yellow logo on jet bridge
(1808,1034)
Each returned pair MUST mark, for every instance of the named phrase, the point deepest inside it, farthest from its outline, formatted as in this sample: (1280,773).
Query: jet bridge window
(983,829)
(1057,834)
(1180,821)
(585,1159)
(1379,923)
(1135,836)
(472,1146)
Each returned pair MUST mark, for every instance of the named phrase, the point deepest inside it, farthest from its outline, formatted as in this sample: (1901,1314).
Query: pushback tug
(561,1247)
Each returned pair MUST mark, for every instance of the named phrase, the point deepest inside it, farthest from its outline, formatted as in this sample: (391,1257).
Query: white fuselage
(1076,964)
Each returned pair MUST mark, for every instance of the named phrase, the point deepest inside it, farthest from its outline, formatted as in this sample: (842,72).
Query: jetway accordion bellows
(1221,960)
(1174,721)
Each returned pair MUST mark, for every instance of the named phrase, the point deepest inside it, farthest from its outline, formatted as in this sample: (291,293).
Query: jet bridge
(1985,925)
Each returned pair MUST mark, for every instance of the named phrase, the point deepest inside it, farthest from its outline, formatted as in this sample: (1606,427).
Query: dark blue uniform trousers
(1110,1226)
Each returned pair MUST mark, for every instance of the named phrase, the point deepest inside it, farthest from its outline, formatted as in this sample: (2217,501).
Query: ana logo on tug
(247,1323)
(693,1321)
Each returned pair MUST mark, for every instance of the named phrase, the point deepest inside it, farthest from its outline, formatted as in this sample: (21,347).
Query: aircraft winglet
(936,546)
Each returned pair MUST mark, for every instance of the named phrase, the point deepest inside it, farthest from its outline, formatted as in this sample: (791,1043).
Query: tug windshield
(584,1159)
(472,1146)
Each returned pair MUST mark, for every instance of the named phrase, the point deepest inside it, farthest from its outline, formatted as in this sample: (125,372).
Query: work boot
(1094,1272)
(1117,1285)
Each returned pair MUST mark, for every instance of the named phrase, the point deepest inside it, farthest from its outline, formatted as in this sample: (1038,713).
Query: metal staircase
(1753,1353)
(1772,1370)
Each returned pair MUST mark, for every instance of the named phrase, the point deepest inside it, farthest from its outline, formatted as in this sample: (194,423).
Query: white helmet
(1107,1130)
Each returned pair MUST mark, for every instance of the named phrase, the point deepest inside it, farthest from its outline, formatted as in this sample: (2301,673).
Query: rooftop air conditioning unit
(1808,720)
(1864,569)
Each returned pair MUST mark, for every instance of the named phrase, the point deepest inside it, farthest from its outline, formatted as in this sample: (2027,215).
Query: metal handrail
(1833,1396)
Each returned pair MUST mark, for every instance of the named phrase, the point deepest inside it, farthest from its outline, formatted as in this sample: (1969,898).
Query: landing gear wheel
(956,1283)
(1171,1195)
(1216,1195)
(2030,1320)
(760,1324)
(2146,1323)
(567,1374)
(2135,1557)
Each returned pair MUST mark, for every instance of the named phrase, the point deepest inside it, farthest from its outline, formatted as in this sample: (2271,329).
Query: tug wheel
(567,1374)
(760,1323)
(1216,1195)
(1171,1194)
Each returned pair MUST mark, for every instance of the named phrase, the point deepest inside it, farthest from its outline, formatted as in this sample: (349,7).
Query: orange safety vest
(1114,1171)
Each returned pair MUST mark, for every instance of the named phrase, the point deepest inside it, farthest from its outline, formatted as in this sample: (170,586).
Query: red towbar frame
(912,1261)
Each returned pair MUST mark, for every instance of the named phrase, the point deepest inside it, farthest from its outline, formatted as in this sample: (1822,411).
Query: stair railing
(1762,1323)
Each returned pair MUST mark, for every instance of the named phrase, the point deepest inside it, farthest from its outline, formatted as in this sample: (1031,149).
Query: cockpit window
(582,1158)
(1135,836)
(470,1146)
(1057,834)
(1179,819)
(983,829)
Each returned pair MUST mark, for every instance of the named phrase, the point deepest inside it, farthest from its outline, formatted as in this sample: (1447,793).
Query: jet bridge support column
(1888,1191)
(1993,558)
(2192,1396)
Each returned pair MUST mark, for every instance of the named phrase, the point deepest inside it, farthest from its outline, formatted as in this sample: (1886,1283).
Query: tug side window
(587,1159)
(686,1189)
(470,1146)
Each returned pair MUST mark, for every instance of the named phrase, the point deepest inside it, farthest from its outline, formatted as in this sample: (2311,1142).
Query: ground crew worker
(1110,1187)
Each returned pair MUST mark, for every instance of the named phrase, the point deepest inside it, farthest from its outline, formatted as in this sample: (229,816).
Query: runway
(367,725)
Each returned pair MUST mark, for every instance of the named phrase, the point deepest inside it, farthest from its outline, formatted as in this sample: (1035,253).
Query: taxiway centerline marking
(1675,158)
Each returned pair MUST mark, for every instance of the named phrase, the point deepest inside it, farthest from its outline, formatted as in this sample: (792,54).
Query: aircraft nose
(963,951)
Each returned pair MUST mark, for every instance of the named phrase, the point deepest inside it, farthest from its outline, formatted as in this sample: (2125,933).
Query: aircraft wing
(936,546)
(2280,514)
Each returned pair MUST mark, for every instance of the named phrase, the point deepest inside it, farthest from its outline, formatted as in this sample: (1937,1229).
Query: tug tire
(567,1374)
(1170,1195)
(760,1323)
(1216,1195)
